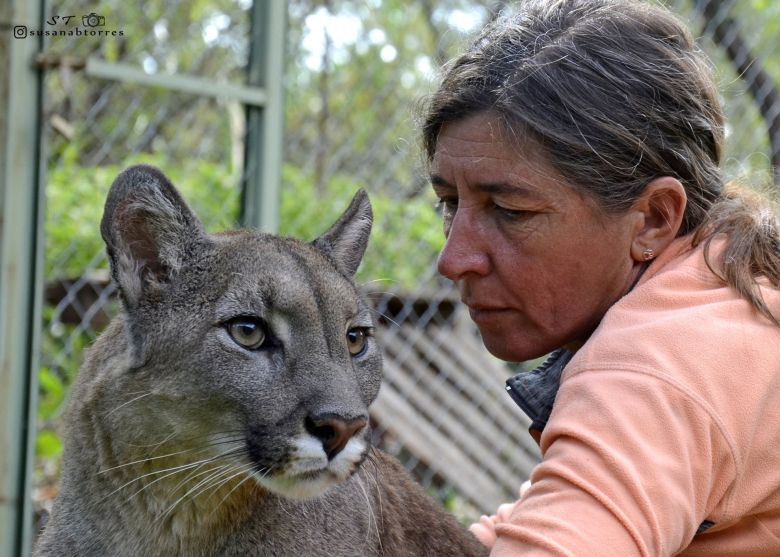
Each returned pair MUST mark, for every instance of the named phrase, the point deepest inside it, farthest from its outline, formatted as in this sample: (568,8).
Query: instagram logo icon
(20,32)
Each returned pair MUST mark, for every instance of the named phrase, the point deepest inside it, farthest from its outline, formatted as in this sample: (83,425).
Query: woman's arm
(633,463)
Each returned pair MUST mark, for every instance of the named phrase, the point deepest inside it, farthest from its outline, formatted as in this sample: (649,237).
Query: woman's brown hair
(617,94)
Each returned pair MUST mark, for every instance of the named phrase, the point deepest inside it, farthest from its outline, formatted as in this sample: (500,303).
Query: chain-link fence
(741,39)
(354,76)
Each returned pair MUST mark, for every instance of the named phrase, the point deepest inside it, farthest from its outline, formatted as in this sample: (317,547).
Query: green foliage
(54,388)
(57,372)
(407,234)
(357,71)
(75,197)
(48,445)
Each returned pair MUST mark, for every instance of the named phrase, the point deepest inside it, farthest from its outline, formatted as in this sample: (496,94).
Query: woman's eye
(511,214)
(357,341)
(446,207)
(247,332)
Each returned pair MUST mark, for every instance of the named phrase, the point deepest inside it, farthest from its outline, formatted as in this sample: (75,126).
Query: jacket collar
(534,391)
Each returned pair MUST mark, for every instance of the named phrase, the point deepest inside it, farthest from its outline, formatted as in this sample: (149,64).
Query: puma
(225,410)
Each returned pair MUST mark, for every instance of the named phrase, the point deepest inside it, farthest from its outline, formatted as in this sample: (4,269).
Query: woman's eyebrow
(493,188)
(504,188)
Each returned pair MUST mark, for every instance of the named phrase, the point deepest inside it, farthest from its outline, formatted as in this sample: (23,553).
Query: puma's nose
(333,431)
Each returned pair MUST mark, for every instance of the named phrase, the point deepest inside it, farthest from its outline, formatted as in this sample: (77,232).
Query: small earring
(648,254)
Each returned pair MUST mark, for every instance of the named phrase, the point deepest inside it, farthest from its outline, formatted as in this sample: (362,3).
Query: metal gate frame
(22,184)
(21,231)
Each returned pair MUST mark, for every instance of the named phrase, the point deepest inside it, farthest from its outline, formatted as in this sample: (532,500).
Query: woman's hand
(485,529)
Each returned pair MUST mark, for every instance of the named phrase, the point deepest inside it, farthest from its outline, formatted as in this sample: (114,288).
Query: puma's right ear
(147,228)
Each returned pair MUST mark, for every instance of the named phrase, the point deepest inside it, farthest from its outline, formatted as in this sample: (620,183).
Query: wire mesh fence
(740,38)
(355,73)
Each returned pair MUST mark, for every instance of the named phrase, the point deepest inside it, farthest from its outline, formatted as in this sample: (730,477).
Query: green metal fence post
(20,269)
(265,124)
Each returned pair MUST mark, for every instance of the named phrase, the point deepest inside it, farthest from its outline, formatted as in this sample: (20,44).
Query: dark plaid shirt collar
(534,391)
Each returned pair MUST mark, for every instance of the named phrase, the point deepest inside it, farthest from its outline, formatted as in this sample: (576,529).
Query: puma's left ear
(345,242)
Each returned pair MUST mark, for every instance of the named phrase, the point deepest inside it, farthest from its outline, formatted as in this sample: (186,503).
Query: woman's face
(535,262)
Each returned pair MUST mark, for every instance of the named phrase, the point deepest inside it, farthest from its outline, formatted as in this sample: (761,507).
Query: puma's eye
(357,341)
(247,332)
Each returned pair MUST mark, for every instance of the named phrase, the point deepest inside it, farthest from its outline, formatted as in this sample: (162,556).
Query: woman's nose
(464,251)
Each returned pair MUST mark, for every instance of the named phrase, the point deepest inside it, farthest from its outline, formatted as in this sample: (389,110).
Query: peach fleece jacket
(668,417)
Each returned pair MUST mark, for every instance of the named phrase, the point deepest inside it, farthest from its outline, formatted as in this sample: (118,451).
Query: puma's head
(241,349)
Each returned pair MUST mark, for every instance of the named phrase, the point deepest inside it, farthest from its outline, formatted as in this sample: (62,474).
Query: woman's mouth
(486,314)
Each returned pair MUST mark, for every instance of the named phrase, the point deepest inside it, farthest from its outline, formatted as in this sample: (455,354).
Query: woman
(575,148)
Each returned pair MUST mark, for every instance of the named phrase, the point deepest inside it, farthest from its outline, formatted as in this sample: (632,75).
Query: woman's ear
(662,206)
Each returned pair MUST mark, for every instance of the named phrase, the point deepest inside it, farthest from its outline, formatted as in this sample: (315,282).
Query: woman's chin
(514,348)
(504,350)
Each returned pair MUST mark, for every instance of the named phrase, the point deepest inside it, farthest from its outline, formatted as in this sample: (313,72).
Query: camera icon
(20,32)
(93,20)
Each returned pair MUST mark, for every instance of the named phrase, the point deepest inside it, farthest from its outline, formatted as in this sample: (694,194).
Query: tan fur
(181,441)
